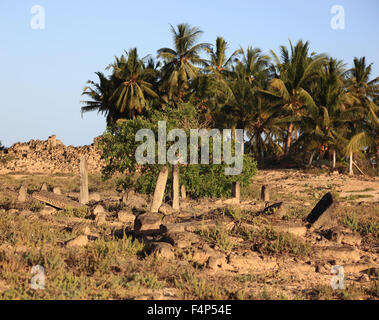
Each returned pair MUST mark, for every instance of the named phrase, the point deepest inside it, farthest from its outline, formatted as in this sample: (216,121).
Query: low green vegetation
(364,225)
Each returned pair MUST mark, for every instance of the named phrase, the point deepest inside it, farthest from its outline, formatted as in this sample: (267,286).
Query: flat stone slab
(294,229)
(196,225)
(182,239)
(338,253)
(56,200)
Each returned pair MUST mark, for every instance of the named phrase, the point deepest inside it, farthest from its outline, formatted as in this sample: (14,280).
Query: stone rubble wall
(50,157)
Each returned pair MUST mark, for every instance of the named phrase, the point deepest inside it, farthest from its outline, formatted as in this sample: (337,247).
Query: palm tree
(100,98)
(293,75)
(323,129)
(181,62)
(129,96)
(365,90)
(365,128)
(219,64)
(254,66)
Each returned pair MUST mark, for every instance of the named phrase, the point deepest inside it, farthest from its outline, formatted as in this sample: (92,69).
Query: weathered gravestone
(324,213)
(83,197)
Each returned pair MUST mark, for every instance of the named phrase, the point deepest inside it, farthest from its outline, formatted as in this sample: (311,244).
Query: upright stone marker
(83,168)
(175,187)
(159,189)
(265,193)
(183,192)
(22,194)
(236,191)
(324,214)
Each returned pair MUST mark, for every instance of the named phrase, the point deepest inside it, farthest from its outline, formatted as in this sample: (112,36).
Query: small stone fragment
(125,217)
(79,241)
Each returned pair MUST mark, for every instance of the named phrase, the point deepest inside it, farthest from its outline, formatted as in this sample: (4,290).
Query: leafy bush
(201,180)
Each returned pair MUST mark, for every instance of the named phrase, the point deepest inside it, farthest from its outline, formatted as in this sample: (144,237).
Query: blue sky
(43,72)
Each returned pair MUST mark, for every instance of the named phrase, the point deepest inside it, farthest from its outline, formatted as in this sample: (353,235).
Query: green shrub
(201,180)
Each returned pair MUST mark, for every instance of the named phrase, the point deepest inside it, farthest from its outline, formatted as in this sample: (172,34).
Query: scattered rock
(47,210)
(352,239)
(79,241)
(200,256)
(44,187)
(218,262)
(94,197)
(57,190)
(148,223)
(343,235)
(182,239)
(133,200)
(364,278)
(125,216)
(101,218)
(232,201)
(98,209)
(166,209)
(81,228)
(245,262)
(296,230)
(163,250)
(323,268)
(22,194)
(338,254)
(356,267)
(276,208)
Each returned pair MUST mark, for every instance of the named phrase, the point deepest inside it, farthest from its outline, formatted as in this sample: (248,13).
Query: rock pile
(50,156)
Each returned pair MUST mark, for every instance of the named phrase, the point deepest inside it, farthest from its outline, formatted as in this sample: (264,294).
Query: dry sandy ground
(244,255)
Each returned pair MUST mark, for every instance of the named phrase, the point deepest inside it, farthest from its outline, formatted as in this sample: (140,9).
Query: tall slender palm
(294,73)
(181,62)
(129,96)
(364,89)
(364,126)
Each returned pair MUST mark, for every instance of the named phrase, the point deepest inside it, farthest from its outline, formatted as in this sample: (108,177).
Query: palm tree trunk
(289,137)
(351,163)
(334,159)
